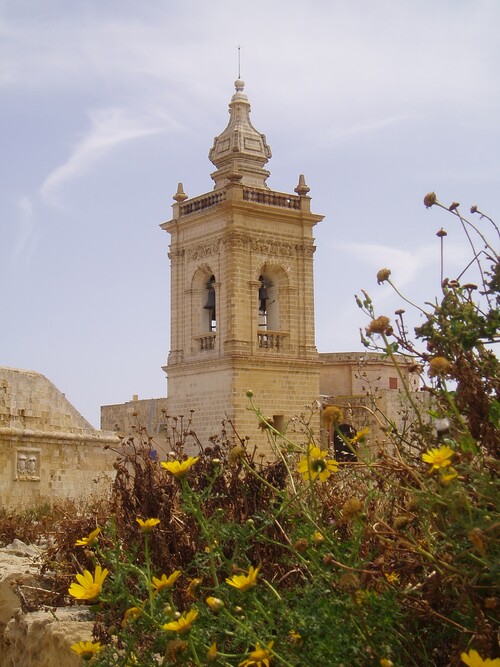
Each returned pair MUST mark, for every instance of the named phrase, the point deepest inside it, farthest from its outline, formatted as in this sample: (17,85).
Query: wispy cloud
(25,242)
(405,264)
(109,129)
(366,128)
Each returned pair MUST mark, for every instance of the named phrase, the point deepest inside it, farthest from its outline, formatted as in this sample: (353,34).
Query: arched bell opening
(209,316)
(268,314)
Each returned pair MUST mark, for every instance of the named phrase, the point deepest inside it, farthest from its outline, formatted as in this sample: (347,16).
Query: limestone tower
(242,294)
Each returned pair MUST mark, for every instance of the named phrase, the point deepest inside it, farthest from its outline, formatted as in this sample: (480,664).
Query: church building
(242,306)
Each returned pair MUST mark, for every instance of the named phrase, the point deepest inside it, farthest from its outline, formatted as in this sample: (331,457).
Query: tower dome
(240,150)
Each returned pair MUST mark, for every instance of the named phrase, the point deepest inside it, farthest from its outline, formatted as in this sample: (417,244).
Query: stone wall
(39,638)
(48,451)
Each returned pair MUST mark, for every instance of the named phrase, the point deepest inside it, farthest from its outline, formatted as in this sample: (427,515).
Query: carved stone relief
(27,464)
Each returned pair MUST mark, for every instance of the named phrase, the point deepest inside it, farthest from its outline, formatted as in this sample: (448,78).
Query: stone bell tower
(242,294)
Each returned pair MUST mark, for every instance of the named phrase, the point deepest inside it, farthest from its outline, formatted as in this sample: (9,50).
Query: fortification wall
(48,451)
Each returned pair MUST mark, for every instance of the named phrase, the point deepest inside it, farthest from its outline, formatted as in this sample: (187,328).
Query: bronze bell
(263,296)
(210,304)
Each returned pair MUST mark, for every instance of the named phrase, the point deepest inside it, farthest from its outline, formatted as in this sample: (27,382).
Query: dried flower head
(378,325)
(383,275)
(439,366)
(331,414)
(430,199)
(235,455)
(349,582)
(352,507)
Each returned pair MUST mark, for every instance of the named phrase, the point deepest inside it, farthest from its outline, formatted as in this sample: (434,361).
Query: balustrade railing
(272,340)
(206,342)
(271,198)
(203,202)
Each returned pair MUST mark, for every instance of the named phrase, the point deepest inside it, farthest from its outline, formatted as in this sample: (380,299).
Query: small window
(393,383)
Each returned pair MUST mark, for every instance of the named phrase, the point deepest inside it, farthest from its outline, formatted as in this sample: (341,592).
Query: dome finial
(180,195)
(240,148)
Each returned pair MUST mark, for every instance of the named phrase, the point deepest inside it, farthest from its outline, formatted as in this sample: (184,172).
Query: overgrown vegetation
(207,555)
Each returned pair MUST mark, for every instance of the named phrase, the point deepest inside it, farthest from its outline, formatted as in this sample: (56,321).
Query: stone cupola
(240,152)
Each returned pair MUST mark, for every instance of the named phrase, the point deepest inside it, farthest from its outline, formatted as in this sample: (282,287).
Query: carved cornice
(262,244)
(307,250)
(176,254)
(204,250)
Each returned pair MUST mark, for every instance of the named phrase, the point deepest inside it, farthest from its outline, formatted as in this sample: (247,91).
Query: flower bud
(215,604)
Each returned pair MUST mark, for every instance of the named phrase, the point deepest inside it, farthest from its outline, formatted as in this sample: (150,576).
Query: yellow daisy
(88,541)
(438,457)
(473,659)
(89,586)
(243,582)
(180,469)
(259,657)
(183,623)
(314,465)
(86,650)
(148,525)
(166,583)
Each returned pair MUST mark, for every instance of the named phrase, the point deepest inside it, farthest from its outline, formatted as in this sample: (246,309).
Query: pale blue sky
(105,106)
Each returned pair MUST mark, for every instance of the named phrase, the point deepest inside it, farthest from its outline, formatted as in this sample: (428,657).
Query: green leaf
(494,413)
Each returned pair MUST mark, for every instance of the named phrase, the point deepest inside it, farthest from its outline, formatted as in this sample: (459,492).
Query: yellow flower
(130,615)
(315,464)
(212,653)
(447,479)
(473,659)
(86,650)
(244,582)
(148,525)
(88,541)
(385,662)
(260,657)
(89,586)
(215,604)
(180,469)
(360,436)
(295,638)
(438,457)
(194,584)
(392,577)
(166,583)
(318,538)
(183,623)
